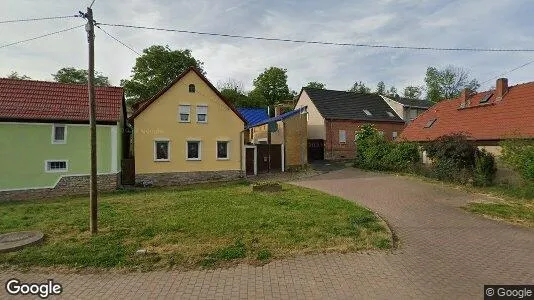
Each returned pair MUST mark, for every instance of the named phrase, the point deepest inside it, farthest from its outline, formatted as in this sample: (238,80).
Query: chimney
(277,110)
(464,98)
(501,88)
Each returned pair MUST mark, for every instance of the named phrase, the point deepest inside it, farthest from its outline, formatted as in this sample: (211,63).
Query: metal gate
(275,163)
(315,150)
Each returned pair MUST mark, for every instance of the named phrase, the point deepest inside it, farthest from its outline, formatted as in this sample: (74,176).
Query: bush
(485,168)
(455,159)
(374,152)
(519,155)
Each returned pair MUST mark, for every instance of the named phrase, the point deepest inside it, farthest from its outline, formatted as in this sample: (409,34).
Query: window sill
(223,158)
(184,121)
(193,159)
(161,160)
(59,142)
(200,122)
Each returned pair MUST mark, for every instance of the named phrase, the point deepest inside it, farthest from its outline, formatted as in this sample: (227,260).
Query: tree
(155,69)
(270,87)
(359,87)
(15,75)
(413,92)
(392,92)
(73,75)
(447,83)
(316,85)
(234,92)
(381,88)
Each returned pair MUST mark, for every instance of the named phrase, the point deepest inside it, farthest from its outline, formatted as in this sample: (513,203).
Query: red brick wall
(336,150)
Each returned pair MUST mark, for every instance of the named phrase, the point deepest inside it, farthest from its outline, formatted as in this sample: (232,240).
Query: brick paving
(444,252)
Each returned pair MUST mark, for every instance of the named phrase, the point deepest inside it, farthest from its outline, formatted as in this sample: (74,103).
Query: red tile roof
(42,100)
(513,116)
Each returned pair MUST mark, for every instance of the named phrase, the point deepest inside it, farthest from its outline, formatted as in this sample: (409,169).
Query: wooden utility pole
(93,192)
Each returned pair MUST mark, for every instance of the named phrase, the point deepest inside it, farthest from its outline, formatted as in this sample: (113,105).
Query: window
(413,114)
(394,135)
(486,98)
(59,134)
(222,150)
(56,166)
(185,112)
(161,151)
(430,123)
(367,112)
(192,88)
(202,114)
(193,150)
(391,115)
(342,136)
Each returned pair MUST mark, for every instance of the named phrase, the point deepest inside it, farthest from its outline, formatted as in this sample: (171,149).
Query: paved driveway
(444,252)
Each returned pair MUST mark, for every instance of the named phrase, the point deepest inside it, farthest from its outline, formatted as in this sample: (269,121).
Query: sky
(463,23)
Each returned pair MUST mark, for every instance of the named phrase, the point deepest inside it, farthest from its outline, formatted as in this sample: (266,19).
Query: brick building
(335,116)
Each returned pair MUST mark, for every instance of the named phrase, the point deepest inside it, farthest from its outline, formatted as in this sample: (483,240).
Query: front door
(249,161)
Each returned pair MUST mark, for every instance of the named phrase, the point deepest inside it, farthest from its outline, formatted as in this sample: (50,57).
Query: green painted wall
(25,147)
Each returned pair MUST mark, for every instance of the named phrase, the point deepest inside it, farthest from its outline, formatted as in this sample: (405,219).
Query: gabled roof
(190,69)
(253,115)
(52,101)
(279,118)
(343,105)
(412,102)
(513,116)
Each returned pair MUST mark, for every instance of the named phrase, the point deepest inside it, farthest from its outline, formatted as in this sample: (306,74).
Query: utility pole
(93,192)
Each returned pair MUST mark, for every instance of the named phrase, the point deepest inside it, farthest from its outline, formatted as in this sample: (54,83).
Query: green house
(45,142)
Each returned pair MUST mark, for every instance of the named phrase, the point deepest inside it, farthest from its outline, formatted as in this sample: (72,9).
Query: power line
(320,42)
(41,36)
(38,19)
(116,39)
(93,2)
(507,72)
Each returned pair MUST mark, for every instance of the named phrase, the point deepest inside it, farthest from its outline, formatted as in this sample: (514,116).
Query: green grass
(190,227)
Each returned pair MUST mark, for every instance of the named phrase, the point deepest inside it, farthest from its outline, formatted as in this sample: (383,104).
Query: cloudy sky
(462,23)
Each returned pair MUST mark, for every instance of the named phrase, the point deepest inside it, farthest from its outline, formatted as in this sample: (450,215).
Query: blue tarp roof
(253,115)
(278,118)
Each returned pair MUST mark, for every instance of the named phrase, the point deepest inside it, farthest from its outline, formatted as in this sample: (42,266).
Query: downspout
(331,137)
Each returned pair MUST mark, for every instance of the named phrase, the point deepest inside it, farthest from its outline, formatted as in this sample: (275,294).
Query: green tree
(381,88)
(155,69)
(413,92)
(234,92)
(15,75)
(73,75)
(316,85)
(270,87)
(447,83)
(392,92)
(359,87)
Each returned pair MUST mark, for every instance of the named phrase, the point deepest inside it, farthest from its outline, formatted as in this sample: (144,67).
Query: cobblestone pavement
(444,253)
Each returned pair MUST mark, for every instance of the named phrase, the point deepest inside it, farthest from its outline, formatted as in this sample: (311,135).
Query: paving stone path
(444,253)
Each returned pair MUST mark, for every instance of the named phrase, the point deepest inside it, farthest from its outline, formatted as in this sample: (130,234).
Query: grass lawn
(190,227)
(517,205)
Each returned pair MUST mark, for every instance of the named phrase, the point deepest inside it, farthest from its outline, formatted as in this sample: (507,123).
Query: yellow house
(187,133)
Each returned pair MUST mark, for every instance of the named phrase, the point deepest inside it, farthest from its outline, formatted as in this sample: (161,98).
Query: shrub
(454,147)
(519,155)
(485,168)
(374,152)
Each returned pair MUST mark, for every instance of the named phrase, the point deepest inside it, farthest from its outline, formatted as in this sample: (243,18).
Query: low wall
(179,178)
(67,186)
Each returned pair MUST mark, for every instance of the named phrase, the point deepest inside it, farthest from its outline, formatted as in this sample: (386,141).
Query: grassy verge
(190,227)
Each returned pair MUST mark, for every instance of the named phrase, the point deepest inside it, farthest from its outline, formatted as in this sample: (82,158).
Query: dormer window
(367,112)
(192,88)
(390,114)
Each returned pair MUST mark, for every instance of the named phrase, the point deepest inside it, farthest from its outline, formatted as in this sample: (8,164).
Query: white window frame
(202,105)
(47,170)
(59,142)
(344,141)
(188,113)
(394,135)
(227,150)
(199,149)
(168,150)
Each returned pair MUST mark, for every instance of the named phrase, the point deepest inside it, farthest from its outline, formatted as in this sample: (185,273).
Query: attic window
(192,88)
(430,123)
(367,112)
(390,114)
(486,98)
